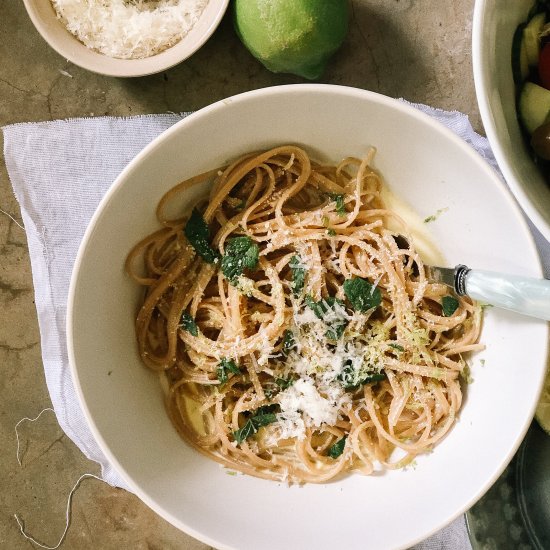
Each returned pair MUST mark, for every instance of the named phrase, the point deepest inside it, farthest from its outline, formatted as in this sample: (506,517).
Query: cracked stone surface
(416,49)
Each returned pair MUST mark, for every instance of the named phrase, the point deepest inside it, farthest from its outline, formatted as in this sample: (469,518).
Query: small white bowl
(426,165)
(494,24)
(53,31)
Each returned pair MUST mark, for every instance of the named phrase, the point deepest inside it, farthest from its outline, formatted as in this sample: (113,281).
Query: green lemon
(292,36)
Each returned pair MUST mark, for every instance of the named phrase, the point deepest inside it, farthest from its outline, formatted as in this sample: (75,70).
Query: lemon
(542,413)
(292,36)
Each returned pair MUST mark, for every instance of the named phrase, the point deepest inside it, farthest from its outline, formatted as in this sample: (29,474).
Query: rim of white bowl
(222,104)
(68,46)
(482,92)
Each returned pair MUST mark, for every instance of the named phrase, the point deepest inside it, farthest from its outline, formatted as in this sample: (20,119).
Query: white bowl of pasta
(290,334)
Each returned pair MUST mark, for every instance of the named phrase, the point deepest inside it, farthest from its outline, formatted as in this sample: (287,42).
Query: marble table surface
(416,49)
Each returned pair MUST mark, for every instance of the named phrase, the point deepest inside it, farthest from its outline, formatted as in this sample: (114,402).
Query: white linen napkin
(59,171)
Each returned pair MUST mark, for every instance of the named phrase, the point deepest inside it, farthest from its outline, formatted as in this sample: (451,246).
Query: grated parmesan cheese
(129,29)
(304,397)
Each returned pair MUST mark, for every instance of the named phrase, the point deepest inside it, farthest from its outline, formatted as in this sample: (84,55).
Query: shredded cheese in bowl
(129,29)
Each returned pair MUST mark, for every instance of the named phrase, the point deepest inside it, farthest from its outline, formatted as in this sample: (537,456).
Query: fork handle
(520,294)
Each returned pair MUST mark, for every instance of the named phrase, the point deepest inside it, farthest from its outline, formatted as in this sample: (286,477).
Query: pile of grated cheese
(129,29)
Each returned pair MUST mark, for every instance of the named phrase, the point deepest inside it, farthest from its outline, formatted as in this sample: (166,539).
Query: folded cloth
(59,171)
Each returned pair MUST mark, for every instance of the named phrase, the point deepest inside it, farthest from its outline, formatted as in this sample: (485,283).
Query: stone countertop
(416,49)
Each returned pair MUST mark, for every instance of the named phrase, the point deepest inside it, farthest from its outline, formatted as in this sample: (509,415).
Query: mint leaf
(373,378)
(334,451)
(224,367)
(298,276)
(348,376)
(336,330)
(240,253)
(288,342)
(198,234)
(188,323)
(314,306)
(322,308)
(338,198)
(284,383)
(245,432)
(397,347)
(449,305)
(262,417)
(351,379)
(361,294)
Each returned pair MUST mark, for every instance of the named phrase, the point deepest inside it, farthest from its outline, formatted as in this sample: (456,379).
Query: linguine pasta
(292,323)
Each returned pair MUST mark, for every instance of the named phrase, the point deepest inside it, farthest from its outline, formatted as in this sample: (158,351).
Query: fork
(525,295)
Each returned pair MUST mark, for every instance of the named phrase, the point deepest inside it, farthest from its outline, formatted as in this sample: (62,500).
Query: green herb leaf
(314,306)
(224,367)
(245,432)
(351,379)
(361,294)
(240,253)
(373,378)
(266,409)
(336,330)
(397,347)
(188,323)
(262,417)
(340,206)
(449,304)
(334,451)
(197,232)
(434,217)
(298,276)
(321,308)
(348,376)
(288,342)
(284,383)
(331,232)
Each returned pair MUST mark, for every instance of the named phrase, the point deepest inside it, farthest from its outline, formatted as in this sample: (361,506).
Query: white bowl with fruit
(511,60)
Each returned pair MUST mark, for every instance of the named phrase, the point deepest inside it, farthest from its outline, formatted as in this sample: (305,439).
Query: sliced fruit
(531,38)
(520,61)
(540,141)
(534,106)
